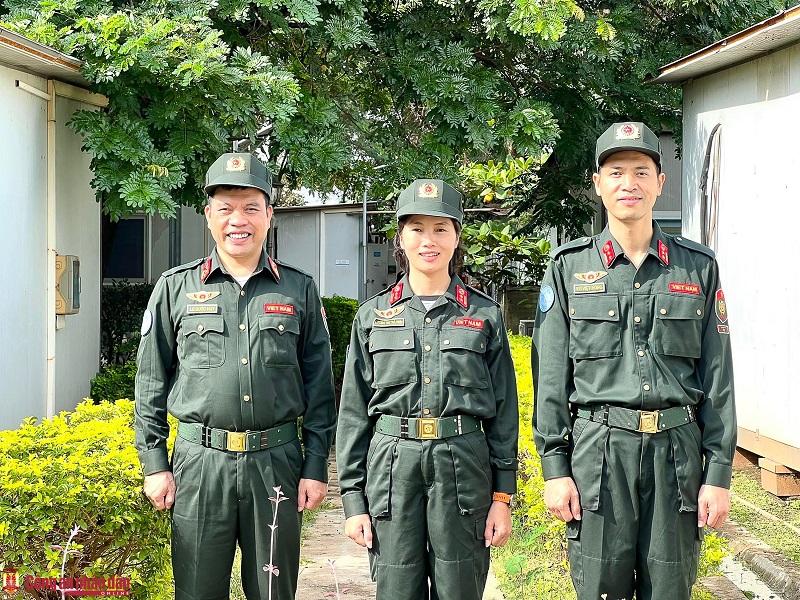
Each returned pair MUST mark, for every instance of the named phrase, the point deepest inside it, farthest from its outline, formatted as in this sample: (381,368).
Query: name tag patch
(283,309)
(202,309)
(467,322)
(684,288)
(590,288)
(388,322)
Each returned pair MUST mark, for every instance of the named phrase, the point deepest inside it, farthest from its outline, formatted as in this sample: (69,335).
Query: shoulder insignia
(397,292)
(274,266)
(663,252)
(720,307)
(184,267)
(461,296)
(205,271)
(692,245)
(608,253)
(390,312)
(571,245)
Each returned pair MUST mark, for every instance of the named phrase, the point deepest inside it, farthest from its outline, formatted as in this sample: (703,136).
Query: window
(127,250)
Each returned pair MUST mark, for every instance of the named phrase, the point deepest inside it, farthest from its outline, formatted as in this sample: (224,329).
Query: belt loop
(404,427)
(691,412)
(458,424)
(606,410)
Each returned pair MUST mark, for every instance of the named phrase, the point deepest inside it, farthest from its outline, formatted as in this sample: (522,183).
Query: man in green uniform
(428,423)
(235,346)
(634,417)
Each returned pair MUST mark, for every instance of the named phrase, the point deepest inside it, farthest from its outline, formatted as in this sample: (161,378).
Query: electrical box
(68,284)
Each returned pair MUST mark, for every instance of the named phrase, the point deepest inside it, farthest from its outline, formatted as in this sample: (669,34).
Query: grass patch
(533,565)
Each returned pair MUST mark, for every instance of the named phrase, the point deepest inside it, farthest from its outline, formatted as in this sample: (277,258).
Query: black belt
(238,441)
(427,429)
(643,421)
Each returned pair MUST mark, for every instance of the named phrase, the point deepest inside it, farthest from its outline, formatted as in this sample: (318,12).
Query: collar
(610,250)
(457,292)
(213,263)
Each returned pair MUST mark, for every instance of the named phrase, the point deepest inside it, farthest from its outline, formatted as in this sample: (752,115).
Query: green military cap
(627,136)
(431,197)
(238,169)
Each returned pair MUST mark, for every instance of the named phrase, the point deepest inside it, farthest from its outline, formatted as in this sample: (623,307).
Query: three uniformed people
(428,423)
(634,416)
(235,346)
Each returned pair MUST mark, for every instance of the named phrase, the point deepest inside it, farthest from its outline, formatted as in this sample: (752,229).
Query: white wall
(758,104)
(341,243)
(23,246)
(298,241)
(77,232)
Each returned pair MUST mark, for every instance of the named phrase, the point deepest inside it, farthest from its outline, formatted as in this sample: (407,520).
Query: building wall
(298,241)
(340,263)
(77,232)
(757,104)
(23,246)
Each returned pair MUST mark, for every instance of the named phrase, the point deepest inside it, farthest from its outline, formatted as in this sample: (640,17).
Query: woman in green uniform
(428,424)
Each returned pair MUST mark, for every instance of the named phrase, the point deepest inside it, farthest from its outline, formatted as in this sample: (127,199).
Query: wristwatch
(501,497)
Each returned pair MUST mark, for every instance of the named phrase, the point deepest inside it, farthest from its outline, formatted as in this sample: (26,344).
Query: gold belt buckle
(236,441)
(648,421)
(426,429)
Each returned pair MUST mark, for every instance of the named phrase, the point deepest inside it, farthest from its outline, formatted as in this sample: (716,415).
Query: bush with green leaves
(122,305)
(340,312)
(81,469)
(114,382)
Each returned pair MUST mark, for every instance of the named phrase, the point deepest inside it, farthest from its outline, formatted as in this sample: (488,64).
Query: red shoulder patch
(397,292)
(608,253)
(273,265)
(205,270)
(461,296)
(663,252)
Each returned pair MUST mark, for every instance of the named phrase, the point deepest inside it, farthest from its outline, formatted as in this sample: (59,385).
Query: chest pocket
(595,328)
(278,335)
(678,325)
(462,353)
(203,341)
(394,357)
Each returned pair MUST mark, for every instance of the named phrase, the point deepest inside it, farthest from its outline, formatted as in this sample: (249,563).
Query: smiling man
(235,347)
(634,418)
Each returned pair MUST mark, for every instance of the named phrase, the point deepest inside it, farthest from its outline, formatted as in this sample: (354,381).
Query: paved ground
(326,541)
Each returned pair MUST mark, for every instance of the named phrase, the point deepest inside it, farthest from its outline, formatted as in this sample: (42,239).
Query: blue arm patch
(547,298)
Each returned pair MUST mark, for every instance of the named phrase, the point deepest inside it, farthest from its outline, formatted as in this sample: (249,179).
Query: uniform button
(572,311)
(427,319)
(406,342)
(427,347)
(446,342)
(585,239)
(611,313)
(663,311)
(247,398)
(680,239)
(637,285)
(200,327)
(427,380)
(427,411)
(372,344)
(481,344)
(244,361)
(640,353)
(637,319)
(646,387)
(241,293)
(699,312)
(281,327)
(242,327)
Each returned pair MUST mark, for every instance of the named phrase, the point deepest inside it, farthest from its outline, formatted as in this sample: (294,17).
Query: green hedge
(122,305)
(340,312)
(81,469)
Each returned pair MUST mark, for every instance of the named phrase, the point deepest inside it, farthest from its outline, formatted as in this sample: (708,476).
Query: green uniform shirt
(453,359)
(648,338)
(234,358)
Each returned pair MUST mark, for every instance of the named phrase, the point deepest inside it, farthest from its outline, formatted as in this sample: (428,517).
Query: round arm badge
(147,322)
(547,297)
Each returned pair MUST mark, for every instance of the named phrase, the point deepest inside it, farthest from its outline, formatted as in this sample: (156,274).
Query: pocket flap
(280,323)
(594,308)
(462,339)
(202,324)
(398,339)
(678,307)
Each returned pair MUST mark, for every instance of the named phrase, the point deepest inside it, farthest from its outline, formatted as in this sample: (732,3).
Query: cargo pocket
(203,341)
(595,329)
(588,459)
(462,353)
(678,325)
(575,554)
(278,335)
(688,458)
(473,478)
(393,357)
(379,474)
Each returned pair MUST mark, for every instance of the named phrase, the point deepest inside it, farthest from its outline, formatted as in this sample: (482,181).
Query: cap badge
(628,131)
(236,164)
(428,190)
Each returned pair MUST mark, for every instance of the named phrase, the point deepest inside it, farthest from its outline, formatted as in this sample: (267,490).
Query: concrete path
(326,542)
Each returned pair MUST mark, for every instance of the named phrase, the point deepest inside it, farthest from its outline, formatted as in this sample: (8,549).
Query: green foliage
(80,469)
(340,313)
(122,305)
(114,382)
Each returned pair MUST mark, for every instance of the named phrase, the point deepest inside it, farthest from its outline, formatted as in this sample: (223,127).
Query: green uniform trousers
(429,500)
(639,512)
(223,498)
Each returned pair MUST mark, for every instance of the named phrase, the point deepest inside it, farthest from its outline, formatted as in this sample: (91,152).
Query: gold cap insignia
(236,164)
(428,190)
(628,131)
